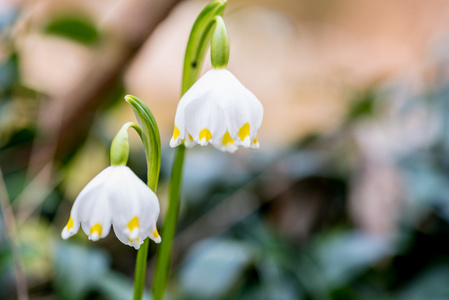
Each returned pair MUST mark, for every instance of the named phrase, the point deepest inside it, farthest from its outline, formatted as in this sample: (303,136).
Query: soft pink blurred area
(300,58)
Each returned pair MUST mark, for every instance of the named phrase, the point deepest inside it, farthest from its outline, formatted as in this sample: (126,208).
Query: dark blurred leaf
(213,267)
(16,182)
(275,284)
(9,74)
(275,264)
(115,286)
(7,279)
(343,256)
(77,28)
(77,269)
(430,284)
(362,106)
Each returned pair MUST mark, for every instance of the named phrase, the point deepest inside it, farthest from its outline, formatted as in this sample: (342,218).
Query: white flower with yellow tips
(218,110)
(117,197)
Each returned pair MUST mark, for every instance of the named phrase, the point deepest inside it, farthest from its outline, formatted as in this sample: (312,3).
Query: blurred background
(347,198)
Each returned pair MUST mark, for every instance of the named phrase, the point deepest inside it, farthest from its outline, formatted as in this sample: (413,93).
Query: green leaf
(150,137)
(213,267)
(363,106)
(77,269)
(75,27)
(342,256)
(115,286)
(431,284)
(198,41)
(9,74)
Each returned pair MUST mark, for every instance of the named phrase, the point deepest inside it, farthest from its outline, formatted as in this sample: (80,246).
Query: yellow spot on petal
(190,137)
(176,133)
(155,234)
(133,223)
(243,132)
(96,228)
(69,223)
(131,241)
(255,141)
(205,133)
(227,139)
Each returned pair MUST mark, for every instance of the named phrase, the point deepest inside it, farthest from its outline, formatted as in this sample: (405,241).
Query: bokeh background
(348,197)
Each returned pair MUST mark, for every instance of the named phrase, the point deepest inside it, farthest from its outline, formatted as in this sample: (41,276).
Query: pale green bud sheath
(219,46)
(120,145)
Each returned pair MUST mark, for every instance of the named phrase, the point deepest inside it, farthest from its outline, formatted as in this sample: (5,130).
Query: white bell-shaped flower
(218,110)
(117,197)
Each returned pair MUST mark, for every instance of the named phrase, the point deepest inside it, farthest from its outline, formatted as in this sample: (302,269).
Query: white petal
(197,91)
(132,201)
(255,144)
(239,104)
(154,235)
(72,227)
(174,143)
(239,112)
(205,120)
(228,148)
(98,218)
(91,208)
(189,142)
(125,240)
(226,144)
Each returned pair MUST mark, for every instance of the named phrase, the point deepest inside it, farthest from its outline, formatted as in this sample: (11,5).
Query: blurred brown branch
(11,234)
(62,128)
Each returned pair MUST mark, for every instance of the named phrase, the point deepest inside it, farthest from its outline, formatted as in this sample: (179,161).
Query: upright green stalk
(196,48)
(152,143)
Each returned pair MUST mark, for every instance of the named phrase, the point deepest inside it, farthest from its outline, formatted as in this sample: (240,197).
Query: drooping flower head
(117,197)
(218,109)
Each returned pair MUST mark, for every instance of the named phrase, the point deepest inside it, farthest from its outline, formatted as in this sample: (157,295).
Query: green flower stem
(164,252)
(141,266)
(198,41)
(152,143)
(196,48)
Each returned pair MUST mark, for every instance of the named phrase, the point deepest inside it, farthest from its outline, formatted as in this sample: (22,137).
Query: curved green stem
(168,233)
(199,39)
(149,134)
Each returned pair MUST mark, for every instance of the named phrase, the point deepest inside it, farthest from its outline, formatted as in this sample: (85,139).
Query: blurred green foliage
(74,26)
